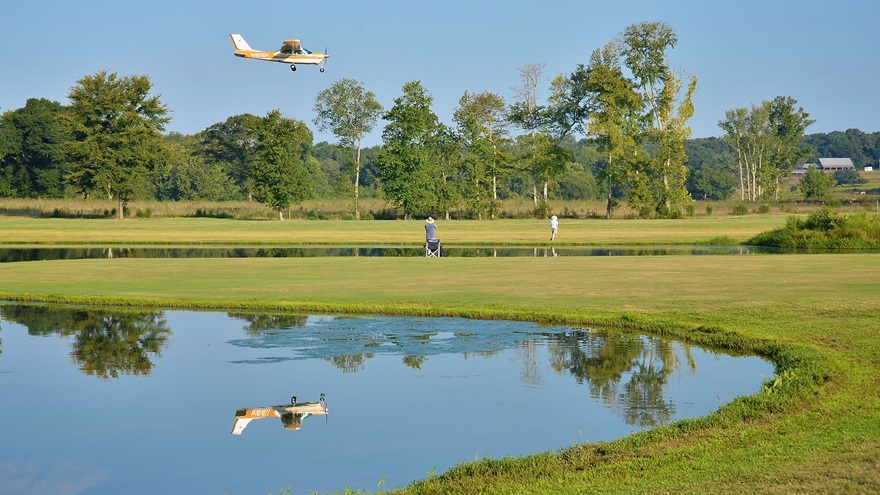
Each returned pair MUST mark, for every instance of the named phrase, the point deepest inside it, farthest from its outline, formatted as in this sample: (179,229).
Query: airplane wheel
(322,69)
(292,67)
(293,400)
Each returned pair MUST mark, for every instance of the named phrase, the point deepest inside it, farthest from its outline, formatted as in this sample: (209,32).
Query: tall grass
(372,208)
(824,229)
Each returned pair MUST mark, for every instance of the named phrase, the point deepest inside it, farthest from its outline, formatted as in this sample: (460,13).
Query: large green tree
(187,175)
(529,115)
(711,182)
(33,162)
(232,145)
(766,141)
(280,175)
(616,124)
(669,105)
(448,169)
(482,122)
(711,174)
(788,122)
(350,112)
(404,165)
(815,184)
(115,130)
(547,126)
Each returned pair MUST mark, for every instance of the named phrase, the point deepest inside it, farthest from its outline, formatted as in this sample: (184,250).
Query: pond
(34,253)
(97,401)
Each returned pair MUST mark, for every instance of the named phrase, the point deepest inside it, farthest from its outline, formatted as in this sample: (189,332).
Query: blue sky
(825,55)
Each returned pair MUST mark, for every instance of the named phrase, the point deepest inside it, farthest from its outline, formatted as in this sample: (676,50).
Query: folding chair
(433,249)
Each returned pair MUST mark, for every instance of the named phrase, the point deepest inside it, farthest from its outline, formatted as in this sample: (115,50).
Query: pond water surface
(104,401)
(37,253)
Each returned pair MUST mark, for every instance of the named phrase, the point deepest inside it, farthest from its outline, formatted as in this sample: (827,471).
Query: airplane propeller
(326,56)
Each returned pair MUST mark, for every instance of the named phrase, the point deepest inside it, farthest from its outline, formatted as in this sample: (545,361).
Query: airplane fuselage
(307,59)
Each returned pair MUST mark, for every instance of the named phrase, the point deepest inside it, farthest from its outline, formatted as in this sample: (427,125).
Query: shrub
(722,240)
(542,210)
(740,209)
(824,219)
(206,213)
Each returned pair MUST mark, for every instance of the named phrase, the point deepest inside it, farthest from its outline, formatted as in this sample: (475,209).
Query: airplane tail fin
(239,43)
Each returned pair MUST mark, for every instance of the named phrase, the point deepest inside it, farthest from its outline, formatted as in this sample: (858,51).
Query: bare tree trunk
(530,75)
(120,210)
(280,214)
(608,204)
(357,181)
(494,196)
(754,181)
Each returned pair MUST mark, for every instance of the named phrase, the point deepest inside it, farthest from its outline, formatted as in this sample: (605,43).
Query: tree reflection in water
(414,362)
(349,363)
(626,372)
(261,322)
(107,343)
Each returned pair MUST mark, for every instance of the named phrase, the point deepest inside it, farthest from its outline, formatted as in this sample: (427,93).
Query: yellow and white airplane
(291,52)
(291,416)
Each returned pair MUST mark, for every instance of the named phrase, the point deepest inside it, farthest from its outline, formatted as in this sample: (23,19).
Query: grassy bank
(814,429)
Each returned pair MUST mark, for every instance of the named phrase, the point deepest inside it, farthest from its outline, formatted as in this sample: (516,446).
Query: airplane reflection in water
(291,416)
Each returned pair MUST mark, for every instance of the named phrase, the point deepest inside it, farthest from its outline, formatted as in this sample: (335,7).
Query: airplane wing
(291,46)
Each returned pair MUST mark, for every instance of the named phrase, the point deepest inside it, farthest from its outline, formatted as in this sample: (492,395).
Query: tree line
(615,128)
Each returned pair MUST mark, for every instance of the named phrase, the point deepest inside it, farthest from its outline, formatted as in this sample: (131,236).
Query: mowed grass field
(20,230)
(814,429)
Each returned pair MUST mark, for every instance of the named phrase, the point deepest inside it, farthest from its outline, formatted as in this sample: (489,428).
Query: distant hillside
(864,149)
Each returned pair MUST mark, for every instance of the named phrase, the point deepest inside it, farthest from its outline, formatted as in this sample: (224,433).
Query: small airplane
(291,52)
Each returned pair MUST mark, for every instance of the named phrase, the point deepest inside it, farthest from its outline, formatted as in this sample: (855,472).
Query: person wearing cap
(554,227)
(430,227)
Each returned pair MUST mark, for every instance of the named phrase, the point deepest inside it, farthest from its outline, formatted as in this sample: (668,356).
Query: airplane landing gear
(293,67)
(321,69)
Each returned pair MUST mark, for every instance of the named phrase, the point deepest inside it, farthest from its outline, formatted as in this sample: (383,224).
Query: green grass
(202,231)
(815,428)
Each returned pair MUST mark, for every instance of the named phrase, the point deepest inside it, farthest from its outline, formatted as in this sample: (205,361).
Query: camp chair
(433,249)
